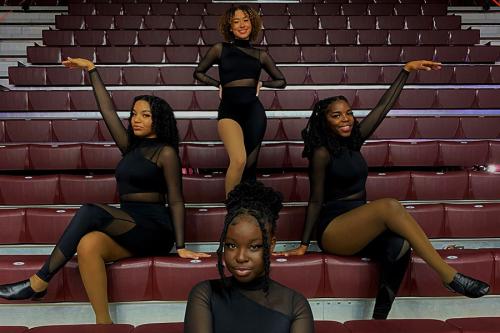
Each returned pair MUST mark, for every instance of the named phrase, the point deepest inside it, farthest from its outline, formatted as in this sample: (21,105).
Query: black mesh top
(148,171)
(239,66)
(343,176)
(246,308)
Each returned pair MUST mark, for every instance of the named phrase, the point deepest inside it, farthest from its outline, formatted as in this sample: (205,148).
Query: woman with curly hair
(241,117)
(248,301)
(148,173)
(346,224)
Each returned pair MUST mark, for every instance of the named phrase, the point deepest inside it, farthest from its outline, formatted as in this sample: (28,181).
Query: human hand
(78,63)
(298,251)
(188,254)
(259,85)
(220,92)
(425,65)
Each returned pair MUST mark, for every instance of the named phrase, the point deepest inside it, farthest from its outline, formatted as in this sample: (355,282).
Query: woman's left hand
(425,65)
(259,85)
(188,254)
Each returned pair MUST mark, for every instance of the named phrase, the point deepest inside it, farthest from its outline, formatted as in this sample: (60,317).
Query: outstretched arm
(113,122)
(375,117)
(212,57)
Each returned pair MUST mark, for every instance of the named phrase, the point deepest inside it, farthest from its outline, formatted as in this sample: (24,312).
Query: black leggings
(241,105)
(141,228)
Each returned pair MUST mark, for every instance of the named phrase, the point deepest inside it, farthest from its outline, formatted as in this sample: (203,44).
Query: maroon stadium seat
(173,277)
(187,22)
(296,99)
(314,54)
(211,37)
(413,153)
(324,326)
(362,75)
(76,189)
(353,9)
(480,127)
(100,156)
(128,22)
(202,156)
(121,37)
(158,21)
(376,154)
(434,9)
(29,190)
(399,325)
(108,9)
(183,54)
(152,37)
(295,155)
(101,22)
(456,98)
(484,53)
(44,55)
(348,54)
(203,189)
(19,267)
(380,9)
(211,22)
(75,130)
(13,329)
(494,152)
(14,157)
(373,37)
(474,325)
(84,328)
(13,226)
(112,55)
(434,37)
(81,8)
(55,157)
(304,22)
(430,217)
(276,22)
(273,9)
(57,37)
(395,128)
(472,220)
(407,9)
(136,9)
(367,98)
(145,76)
(290,223)
(333,22)
(326,75)
(205,129)
(448,22)
(28,131)
(60,76)
(287,54)
(292,271)
(362,22)
(463,153)
(390,22)
(2,131)
(296,9)
(160,328)
(274,130)
(14,101)
(185,37)
(293,127)
(417,99)
(440,185)
(204,224)
(177,75)
(273,156)
(410,53)
(472,74)
(294,75)
(147,54)
(484,185)
(404,37)
(437,127)
(384,54)
(443,76)
(456,54)
(164,8)
(207,100)
(283,183)
(327,9)
(132,271)
(395,185)
(475,263)
(27,76)
(486,98)
(464,37)
(70,22)
(109,75)
(46,225)
(50,100)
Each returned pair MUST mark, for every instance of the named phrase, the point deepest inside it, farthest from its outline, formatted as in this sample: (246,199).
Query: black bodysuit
(337,185)
(239,70)
(246,308)
(148,171)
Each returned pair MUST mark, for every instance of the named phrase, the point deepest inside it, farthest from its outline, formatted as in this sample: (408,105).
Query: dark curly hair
(263,204)
(164,123)
(225,22)
(317,134)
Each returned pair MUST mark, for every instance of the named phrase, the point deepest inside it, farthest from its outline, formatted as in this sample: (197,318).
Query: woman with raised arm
(247,301)
(241,117)
(346,224)
(148,176)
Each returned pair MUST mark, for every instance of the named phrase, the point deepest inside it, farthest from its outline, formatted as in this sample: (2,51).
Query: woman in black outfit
(241,118)
(149,171)
(248,301)
(345,223)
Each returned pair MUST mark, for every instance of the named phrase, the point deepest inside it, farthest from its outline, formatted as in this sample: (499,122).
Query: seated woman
(148,175)
(248,301)
(345,223)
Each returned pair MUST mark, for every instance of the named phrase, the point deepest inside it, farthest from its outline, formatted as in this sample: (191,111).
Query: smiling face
(141,120)
(340,118)
(241,26)
(244,249)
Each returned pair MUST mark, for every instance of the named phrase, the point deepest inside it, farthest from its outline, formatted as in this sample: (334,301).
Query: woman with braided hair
(345,223)
(248,301)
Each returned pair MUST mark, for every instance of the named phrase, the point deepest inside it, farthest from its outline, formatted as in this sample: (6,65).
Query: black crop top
(343,176)
(149,170)
(239,66)
(246,308)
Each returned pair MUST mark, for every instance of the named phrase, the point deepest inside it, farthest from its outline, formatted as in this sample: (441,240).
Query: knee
(90,246)
(88,211)
(238,162)
(391,206)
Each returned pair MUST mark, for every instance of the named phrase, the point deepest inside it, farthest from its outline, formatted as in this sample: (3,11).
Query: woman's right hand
(298,251)
(220,92)
(78,63)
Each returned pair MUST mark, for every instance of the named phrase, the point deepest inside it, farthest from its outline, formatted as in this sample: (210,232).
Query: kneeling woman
(248,301)
(142,226)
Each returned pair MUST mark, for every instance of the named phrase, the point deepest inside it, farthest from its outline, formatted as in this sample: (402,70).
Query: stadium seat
(452,185)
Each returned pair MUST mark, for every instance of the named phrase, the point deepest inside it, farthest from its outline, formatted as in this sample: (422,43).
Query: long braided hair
(164,123)
(263,204)
(317,134)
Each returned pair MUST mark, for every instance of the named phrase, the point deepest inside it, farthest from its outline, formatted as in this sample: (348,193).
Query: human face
(141,120)
(340,118)
(241,26)
(244,249)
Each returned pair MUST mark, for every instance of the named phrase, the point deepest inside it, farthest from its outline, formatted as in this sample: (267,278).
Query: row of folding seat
(278,156)
(46,225)
(270,37)
(171,278)
(204,100)
(454,325)
(291,9)
(281,54)
(295,75)
(92,130)
(304,1)
(167,21)
(401,185)
(33,2)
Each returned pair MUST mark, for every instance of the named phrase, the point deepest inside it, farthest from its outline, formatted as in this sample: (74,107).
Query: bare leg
(350,232)
(94,250)
(232,136)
